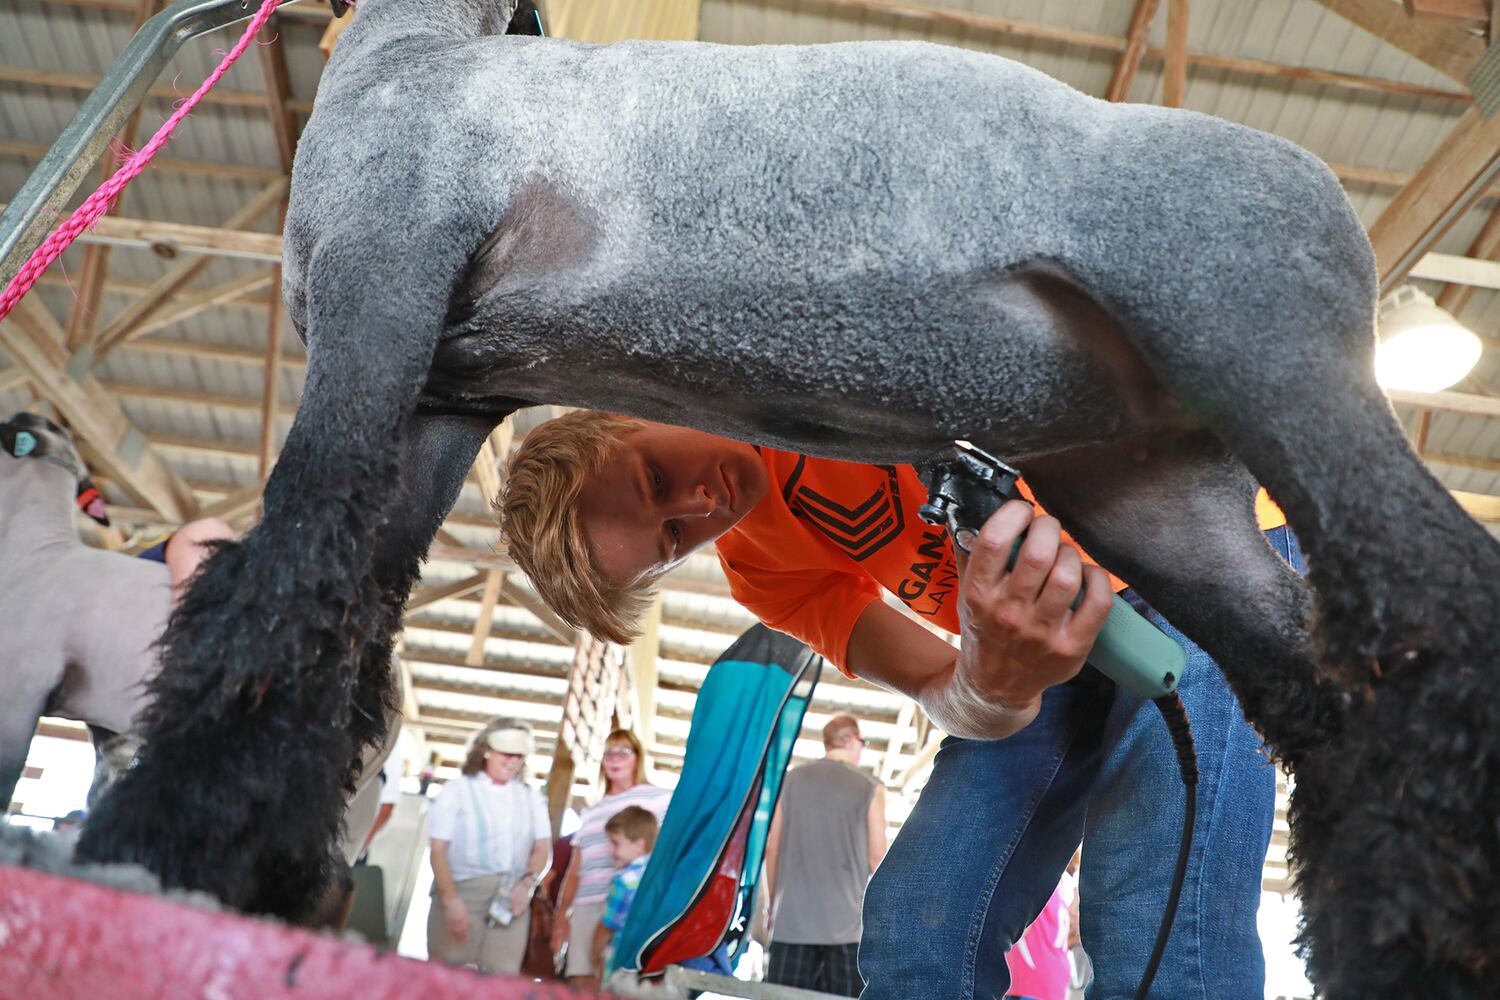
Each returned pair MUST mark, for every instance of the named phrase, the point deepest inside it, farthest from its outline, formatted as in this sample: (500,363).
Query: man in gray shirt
(826,839)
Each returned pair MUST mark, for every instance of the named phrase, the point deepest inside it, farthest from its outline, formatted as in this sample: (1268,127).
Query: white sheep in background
(80,623)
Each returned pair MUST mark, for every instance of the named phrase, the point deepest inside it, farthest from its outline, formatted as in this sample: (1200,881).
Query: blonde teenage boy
(598,508)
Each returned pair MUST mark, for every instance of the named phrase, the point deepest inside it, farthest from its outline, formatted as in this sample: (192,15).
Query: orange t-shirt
(829,536)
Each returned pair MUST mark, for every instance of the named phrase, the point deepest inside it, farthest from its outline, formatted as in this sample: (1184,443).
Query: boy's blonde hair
(539,517)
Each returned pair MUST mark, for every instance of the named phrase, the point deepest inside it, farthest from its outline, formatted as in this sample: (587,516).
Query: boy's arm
(1019,634)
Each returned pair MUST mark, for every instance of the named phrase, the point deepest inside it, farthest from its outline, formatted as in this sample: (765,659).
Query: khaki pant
(583,923)
(490,947)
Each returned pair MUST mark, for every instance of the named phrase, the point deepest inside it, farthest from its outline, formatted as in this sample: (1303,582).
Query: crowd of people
(1043,749)
(492,853)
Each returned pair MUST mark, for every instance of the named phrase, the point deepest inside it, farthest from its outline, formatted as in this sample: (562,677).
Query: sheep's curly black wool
(1395,836)
(1145,310)
(265,808)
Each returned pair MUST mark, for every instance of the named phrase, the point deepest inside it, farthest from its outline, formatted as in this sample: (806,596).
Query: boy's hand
(1019,635)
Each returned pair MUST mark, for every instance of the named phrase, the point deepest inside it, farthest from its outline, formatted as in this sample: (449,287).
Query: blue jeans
(997,822)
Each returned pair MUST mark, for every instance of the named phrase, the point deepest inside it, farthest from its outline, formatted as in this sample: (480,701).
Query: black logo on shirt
(860,530)
(932,578)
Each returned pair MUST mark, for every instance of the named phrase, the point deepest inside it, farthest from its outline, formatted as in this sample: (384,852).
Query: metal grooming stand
(37,207)
(686,980)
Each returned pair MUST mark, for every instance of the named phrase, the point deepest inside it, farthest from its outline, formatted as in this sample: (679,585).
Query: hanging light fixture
(1422,348)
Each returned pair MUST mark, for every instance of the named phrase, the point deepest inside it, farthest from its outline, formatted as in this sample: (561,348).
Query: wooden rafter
(237,507)
(276,315)
(146,234)
(921,765)
(429,596)
(215,352)
(1486,246)
(644,653)
(300,12)
(411,713)
(1015,28)
(1466,13)
(1424,427)
(205,299)
(1480,506)
(86,82)
(330,39)
(520,668)
(33,339)
(1135,47)
(904,717)
(1449,50)
(478,558)
(84,314)
(1452,179)
(1344,81)
(130,322)
(12,377)
(1452,269)
(1174,73)
(1465,461)
(216,169)
(485,619)
(278,93)
(270,382)
(519,596)
(1453,402)
(487,464)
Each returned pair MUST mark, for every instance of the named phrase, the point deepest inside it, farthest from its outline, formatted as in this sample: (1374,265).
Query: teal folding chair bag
(697,894)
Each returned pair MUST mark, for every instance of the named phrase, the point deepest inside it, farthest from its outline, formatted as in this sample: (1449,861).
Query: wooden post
(588,711)
(643,655)
(483,623)
(1174,73)
(559,786)
(1135,47)
(1455,176)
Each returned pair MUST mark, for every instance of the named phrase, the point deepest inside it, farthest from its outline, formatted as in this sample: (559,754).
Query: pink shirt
(1039,966)
(596,866)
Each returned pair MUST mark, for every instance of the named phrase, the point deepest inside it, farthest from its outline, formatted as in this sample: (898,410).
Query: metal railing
(37,207)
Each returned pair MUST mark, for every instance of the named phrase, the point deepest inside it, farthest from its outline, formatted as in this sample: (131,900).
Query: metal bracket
(37,207)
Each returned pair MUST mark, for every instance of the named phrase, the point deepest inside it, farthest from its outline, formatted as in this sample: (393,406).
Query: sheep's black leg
(1174,515)
(438,450)
(249,738)
(1396,849)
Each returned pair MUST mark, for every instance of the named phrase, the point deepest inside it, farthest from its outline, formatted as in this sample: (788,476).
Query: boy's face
(625,850)
(664,492)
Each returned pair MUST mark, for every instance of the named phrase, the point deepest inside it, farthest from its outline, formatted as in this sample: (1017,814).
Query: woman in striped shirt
(623,774)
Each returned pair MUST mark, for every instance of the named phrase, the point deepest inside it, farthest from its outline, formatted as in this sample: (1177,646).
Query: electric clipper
(966,487)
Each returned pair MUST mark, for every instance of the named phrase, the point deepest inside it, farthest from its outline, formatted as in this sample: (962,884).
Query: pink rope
(98,203)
